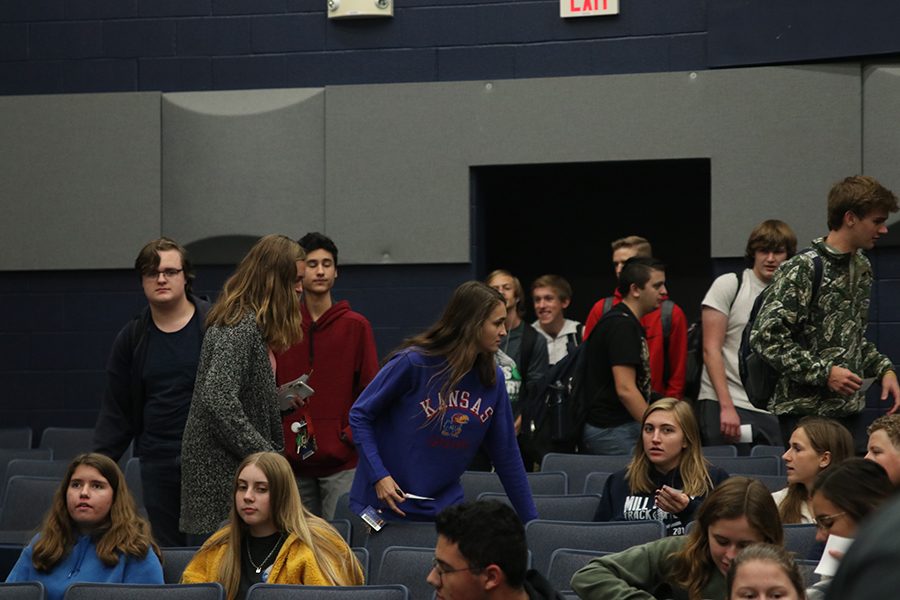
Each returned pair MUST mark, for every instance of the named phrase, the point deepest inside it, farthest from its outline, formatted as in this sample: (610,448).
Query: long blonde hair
(263,284)
(825,435)
(456,336)
(333,556)
(693,566)
(126,532)
(692,466)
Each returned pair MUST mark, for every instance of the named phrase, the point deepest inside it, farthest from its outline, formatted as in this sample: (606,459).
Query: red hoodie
(339,348)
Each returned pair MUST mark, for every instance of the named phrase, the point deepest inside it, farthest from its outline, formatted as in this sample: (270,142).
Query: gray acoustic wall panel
(881,113)
(242,164)
(79,179)
(398,156)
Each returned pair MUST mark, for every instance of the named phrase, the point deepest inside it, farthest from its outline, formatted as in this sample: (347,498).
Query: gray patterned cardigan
(234,412)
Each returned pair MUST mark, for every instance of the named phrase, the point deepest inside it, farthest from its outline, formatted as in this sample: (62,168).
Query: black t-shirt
(264,551)
(618,339)
(168,376)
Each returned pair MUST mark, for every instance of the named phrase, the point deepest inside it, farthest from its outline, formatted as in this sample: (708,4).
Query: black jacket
(122,408)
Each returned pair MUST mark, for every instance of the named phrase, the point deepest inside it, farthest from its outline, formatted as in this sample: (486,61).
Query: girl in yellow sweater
(271,537)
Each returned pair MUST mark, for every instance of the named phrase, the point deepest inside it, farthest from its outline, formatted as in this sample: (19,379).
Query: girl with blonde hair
(736,514)
(438,398)
(668,478)
(271,537)
(816,444)
(234,410)
(92,532)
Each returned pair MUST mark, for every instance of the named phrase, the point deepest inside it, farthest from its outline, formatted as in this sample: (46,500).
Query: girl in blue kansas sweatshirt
(418,425)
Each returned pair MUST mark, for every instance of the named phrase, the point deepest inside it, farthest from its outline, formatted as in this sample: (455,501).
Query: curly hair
(124,532)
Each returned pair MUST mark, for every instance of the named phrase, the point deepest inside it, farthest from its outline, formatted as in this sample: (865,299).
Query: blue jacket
(82,564)
(620,504)
(400,432)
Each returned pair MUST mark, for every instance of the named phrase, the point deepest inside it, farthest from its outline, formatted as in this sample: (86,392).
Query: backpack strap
(527,345)
(740,280)
(666,317)
(818,270)
(607,304)
(573,340)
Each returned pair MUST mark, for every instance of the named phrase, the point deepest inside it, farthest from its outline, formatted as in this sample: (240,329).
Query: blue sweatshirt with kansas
(400,430)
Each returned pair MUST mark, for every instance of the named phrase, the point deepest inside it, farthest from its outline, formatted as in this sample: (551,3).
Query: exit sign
(588,8)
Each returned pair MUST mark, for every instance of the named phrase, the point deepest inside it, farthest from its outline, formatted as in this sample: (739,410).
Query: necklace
(259,567)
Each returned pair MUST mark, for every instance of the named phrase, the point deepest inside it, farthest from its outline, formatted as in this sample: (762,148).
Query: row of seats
(65,442)
(202,591)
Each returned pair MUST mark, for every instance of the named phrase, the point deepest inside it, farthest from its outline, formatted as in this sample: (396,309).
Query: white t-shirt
(719,297)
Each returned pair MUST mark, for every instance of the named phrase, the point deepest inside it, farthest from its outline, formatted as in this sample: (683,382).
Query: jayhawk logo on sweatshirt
(452,427)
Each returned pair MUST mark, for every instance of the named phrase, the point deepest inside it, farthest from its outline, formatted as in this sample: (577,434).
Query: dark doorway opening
(561,218)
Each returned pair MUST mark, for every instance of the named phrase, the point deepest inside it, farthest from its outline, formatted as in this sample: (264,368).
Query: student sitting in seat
(668,478)
(271,537)
(738,513)
(765,571)
(91,533)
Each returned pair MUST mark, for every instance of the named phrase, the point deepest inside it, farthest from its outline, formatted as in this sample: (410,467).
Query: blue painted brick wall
(187,45)
(56,328)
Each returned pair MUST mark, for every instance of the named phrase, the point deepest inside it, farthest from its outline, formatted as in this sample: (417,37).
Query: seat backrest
(134,481)
(16,438)
(727,450)
(174,561)
(7,455)
(773,482)
(358,528)
(546,536)
(362,555)
(409,566)
(595,482)
(343,527)
(475,483)
(808,571)
(24,590)
(67,442)
(749,465)
(26,501)
(563,564)
(571,507)
(274,591)
(765,450)
(33,468)
(138,591)
(577,466)
(800,538)
(422,535)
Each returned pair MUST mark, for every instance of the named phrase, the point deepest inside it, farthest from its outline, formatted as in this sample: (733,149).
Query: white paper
(746,434)
(866,384)
(416,497)
(829,564)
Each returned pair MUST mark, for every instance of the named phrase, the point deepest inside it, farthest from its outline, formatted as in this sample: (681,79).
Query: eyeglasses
(826,522)
(441,571)
(167,273)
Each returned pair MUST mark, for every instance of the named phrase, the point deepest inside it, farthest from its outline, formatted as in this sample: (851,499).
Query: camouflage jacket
(803,342)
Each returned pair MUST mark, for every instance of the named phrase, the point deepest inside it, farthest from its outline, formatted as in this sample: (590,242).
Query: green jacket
(639,573)
(803,342)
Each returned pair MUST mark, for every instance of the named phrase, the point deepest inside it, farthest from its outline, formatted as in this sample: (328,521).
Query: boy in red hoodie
(338,353)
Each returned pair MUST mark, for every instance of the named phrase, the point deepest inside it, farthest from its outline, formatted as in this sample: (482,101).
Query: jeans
(620,439)
(320,494)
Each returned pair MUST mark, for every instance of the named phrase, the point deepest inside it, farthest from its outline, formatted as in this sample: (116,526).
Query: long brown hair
(333,557)
(263,284)
(456,337)
(825,435)
(692,466)
(126,532)
(734,498)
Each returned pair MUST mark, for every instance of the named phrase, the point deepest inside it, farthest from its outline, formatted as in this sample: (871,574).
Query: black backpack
(665,308)
(757,375)
(693,370)
(555,417)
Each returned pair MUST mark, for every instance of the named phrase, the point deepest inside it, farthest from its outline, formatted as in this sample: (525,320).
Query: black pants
(161,480)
